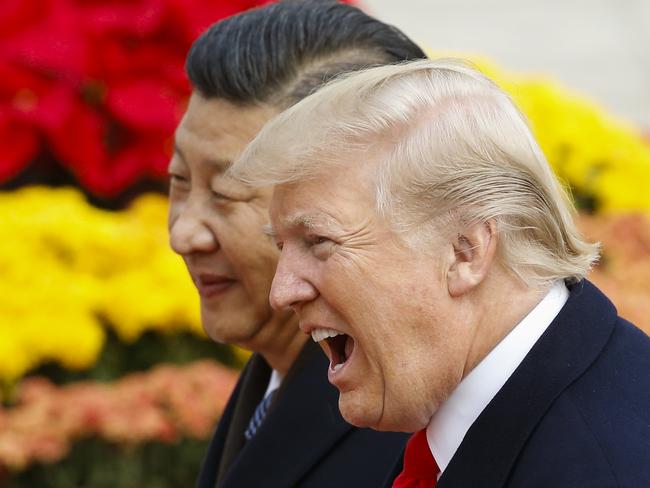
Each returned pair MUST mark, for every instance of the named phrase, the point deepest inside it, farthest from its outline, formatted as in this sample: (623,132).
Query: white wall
(598,47)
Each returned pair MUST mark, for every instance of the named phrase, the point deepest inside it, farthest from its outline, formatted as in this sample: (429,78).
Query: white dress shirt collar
(274,382)
(453,419)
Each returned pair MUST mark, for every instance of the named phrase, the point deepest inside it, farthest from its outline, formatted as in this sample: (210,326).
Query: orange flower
(162,405)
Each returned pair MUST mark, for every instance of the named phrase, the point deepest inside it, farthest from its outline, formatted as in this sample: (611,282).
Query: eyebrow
(307,221)
(221,164)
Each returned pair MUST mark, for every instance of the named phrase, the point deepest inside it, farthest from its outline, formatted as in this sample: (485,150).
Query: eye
(221,196)
(177,178)
(178,184)
(320,246)
(317,240)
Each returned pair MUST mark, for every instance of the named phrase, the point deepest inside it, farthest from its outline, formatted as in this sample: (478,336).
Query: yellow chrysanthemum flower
(66,265)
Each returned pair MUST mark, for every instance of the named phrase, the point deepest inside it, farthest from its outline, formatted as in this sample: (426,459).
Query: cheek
(255,266)
(172,214)
(240,232)
(358,300)
(254,259)
(175,209)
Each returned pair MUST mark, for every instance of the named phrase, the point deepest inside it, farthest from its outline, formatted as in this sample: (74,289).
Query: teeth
(319,334)
(337,367)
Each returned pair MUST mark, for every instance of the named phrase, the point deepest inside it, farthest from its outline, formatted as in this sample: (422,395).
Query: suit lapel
(210,465)
(567,348)
(255,379)
(302,425)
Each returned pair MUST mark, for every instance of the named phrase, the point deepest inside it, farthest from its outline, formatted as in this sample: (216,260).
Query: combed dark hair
(280,53)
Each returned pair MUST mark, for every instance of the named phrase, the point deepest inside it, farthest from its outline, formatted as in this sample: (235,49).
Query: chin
(225,331)
(359,413)
(378,416)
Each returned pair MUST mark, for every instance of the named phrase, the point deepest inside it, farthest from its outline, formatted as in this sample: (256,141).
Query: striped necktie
(258,415)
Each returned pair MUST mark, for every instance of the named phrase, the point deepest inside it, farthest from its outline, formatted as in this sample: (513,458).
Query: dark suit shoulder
(613,398)
(563,452)
(597,432)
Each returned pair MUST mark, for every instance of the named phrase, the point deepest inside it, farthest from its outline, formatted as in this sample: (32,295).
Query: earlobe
(473,253)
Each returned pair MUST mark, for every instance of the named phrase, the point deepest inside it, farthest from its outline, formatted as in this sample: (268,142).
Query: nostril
(295,307)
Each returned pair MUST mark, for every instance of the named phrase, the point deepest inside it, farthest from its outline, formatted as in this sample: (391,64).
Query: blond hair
(449,146)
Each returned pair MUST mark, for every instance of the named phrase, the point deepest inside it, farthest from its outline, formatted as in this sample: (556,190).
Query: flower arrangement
(69,268)
(624,271)
(92,90)
(602,158)
(163,405)
(96,87)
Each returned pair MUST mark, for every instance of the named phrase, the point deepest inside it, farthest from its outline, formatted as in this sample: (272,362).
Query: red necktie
(420,469)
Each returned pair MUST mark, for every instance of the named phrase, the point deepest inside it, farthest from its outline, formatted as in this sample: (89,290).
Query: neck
(497,309)
(279,342)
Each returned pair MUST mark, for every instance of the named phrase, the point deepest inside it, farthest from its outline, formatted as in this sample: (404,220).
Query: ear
(474,252)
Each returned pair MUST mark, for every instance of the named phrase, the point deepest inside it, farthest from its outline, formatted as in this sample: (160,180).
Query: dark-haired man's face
(215,224)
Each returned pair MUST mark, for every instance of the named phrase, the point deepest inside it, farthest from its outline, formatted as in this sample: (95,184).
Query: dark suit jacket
(303,440)
(575,413)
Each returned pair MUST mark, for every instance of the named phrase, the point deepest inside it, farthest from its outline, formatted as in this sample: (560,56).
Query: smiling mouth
(210,285)
(337,345)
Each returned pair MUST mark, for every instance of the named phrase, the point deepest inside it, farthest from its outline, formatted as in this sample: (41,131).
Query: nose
(189,229)
(290,288)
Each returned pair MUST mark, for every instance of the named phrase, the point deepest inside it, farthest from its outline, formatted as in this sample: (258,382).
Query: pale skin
(419,322)
(215,224)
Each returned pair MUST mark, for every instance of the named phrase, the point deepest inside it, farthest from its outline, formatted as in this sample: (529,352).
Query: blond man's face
(398,351)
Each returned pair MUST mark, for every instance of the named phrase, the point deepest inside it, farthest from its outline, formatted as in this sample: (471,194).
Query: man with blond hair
(429,249)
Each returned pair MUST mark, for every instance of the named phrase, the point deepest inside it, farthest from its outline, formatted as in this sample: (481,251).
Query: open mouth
(337,345)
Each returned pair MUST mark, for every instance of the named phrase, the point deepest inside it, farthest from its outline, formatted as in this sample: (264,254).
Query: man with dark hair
(282,426)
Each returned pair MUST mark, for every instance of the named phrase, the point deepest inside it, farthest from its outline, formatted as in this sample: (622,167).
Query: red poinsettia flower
(19,143)
(41,63)
(101,82)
